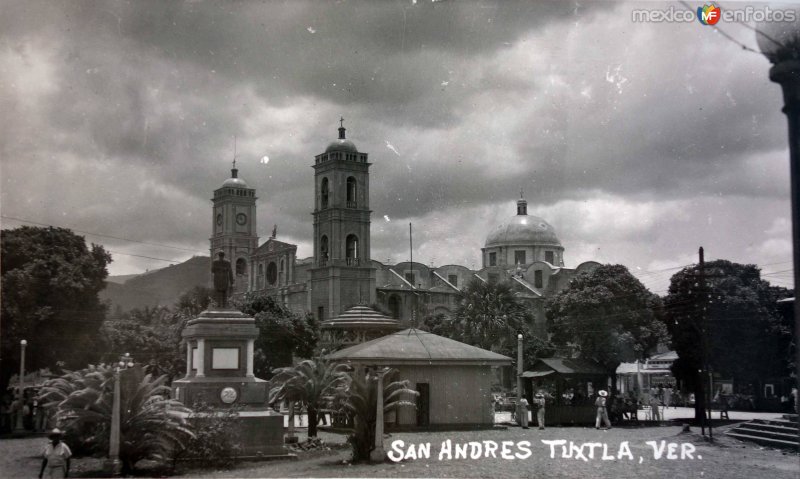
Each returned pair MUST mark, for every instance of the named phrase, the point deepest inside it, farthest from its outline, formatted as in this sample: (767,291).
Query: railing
(352,204)
(323,262)
(353,261)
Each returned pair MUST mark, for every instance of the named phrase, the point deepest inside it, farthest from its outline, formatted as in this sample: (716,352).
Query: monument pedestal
(219,373)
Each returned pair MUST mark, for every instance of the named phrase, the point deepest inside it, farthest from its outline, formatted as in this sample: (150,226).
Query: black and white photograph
(399,238)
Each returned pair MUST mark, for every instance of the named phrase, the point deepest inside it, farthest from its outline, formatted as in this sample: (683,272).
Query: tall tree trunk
(312,421)
(700,401)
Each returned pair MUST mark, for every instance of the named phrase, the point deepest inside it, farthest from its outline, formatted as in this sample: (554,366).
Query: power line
(102,235)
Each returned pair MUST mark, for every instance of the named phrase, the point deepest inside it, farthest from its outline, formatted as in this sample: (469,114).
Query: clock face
(219,219)
(241,218)
(228,395)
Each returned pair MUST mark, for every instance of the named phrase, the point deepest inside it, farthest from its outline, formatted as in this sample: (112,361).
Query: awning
(535,374)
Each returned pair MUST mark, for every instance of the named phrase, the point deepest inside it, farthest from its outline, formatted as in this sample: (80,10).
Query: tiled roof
(414,346)
(361,317)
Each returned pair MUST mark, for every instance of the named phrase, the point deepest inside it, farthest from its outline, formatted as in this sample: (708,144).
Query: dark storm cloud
(125,113)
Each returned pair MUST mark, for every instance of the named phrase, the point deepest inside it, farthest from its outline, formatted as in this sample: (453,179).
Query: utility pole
(706,368)
(413,279)
(19,427)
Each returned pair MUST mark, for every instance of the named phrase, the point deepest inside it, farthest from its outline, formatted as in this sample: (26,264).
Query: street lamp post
(780,43)
(114,463)
(378,454)
(20,425)
(520,409)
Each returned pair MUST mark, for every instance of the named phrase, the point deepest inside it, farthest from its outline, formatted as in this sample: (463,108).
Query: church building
(344,287)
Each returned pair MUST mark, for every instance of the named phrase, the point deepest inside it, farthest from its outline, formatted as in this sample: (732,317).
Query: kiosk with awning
(570,384)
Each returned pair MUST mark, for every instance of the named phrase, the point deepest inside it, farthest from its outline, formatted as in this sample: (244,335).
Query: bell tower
(342,275)
(234,227)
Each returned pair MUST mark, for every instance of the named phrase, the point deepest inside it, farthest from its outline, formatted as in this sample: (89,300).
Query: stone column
(379,454)
(188,358)
(250,351)
(201,358)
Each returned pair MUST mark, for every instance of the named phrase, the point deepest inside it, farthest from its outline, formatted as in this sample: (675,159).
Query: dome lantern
(342,143)
(522,207)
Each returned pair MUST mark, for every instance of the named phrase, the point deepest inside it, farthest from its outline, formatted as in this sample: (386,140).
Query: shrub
(217,442)
(152,426)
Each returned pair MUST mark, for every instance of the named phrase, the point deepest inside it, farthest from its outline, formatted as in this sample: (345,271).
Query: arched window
(323,193)
(323,250)
(241,266)
(351,192)
(272,274)
(394,306)
(351,250)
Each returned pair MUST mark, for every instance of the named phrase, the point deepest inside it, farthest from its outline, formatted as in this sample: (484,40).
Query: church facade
(341,283)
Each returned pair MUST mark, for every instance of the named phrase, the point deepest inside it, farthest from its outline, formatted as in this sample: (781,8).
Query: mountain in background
(122,278)
(160,287)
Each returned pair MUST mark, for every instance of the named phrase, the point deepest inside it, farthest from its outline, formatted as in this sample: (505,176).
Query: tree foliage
(359,400)
(490,316)
(750,340)
(153,335)
(312,383)
(282,333)
(50,284)
(607,315)
(152,426)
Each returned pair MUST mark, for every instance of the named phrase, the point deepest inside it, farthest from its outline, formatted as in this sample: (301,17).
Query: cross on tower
(341,122)
(234,151)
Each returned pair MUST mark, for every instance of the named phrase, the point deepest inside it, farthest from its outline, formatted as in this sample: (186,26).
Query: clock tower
(234,227)
(342,275)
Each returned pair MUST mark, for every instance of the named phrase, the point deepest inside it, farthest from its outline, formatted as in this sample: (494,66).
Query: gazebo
(356,325)
(571,385)
(454,380)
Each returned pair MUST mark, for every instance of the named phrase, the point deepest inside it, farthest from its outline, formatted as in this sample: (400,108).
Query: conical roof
(412,346)
(361,317)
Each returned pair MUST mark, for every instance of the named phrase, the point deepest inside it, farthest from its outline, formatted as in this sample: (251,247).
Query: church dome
(341,145)
(238,182)
(523,229)
(234,180)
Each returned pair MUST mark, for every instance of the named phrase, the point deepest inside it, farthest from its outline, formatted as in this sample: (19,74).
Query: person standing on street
(655,408)
(539,401)
(56,457)
(523,409)
(602,412)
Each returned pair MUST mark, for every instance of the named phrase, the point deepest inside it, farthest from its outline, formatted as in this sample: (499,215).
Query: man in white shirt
(56,457)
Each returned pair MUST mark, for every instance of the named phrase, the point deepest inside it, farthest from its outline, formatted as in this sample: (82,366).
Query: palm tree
(359,400)
(489,315)
(312,383)
(152,426)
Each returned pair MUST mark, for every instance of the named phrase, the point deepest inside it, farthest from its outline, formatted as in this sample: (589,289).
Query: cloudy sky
(638,142)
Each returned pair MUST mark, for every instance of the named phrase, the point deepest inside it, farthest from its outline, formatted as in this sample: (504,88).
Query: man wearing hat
(540,402)
(55,456)
(602,412)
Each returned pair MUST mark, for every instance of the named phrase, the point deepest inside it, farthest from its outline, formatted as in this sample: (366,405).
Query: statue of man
(223,279)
